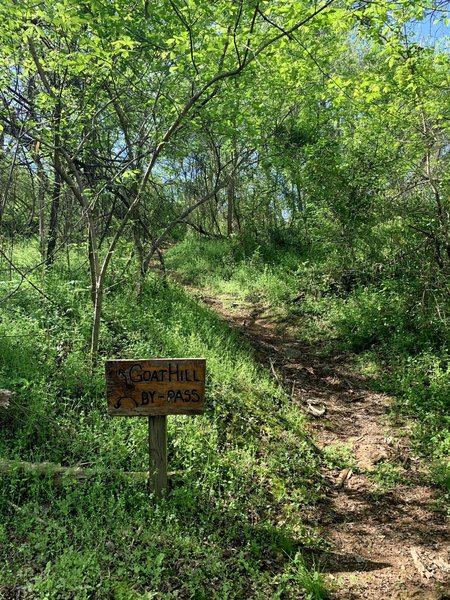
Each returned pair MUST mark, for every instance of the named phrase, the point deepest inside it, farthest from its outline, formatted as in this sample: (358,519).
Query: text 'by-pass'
(155,387)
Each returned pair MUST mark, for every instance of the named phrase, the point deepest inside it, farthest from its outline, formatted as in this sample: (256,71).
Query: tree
(84,58)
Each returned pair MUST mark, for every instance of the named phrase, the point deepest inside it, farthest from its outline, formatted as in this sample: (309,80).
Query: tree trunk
(59,473)
(97,316)
(230,211)
(56,194)
(41,207)
(231,192)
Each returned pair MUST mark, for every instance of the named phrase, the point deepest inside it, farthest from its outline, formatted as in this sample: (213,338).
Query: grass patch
(394,330)
(231,526)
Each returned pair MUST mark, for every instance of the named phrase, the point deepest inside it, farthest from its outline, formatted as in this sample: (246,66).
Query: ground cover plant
(232,523)
(390,336)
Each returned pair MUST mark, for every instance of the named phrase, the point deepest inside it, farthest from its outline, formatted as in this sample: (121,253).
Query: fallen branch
(60,473)
(344,475)
(421,568)
(275,374)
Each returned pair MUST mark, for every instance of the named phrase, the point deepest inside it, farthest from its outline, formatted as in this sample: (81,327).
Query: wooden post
(157,432)
(155,388)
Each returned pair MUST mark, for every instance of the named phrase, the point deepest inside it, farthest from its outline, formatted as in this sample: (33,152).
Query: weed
(339,456)
(299,576)
(387,476)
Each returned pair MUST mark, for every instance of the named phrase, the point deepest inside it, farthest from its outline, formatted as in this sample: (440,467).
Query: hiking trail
(382,544)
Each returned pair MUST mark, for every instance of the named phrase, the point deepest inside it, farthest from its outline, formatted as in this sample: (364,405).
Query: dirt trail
(390,545)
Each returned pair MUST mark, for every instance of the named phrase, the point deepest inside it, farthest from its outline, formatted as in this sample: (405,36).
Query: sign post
(156,388)
(157,443)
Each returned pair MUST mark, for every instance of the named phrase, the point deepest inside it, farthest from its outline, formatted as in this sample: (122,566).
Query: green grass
(231,525)
(250,273)
(392,328)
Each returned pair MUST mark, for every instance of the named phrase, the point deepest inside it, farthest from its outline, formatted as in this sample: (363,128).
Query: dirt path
(383,545)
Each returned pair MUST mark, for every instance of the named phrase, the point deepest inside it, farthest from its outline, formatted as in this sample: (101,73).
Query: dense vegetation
(292,155)
(240,476)
(392,340)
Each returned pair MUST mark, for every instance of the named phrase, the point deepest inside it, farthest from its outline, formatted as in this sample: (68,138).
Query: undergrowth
(390,323)
(231,525)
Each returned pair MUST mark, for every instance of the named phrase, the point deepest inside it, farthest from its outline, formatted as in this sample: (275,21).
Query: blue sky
(428,32)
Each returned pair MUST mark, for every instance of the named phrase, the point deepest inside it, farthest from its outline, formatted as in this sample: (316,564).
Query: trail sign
(159,386)
(155,388)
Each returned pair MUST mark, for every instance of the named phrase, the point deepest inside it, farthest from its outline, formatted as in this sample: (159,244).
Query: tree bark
(98,302)
(41,182)
(230,205)
(57,187)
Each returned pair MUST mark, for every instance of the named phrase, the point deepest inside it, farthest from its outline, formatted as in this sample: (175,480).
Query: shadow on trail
(339,562)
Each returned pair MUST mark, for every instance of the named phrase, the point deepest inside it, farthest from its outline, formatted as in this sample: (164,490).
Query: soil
(384,543)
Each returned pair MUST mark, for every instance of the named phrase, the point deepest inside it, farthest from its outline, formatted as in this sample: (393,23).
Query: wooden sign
(156,388)
(159,386)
